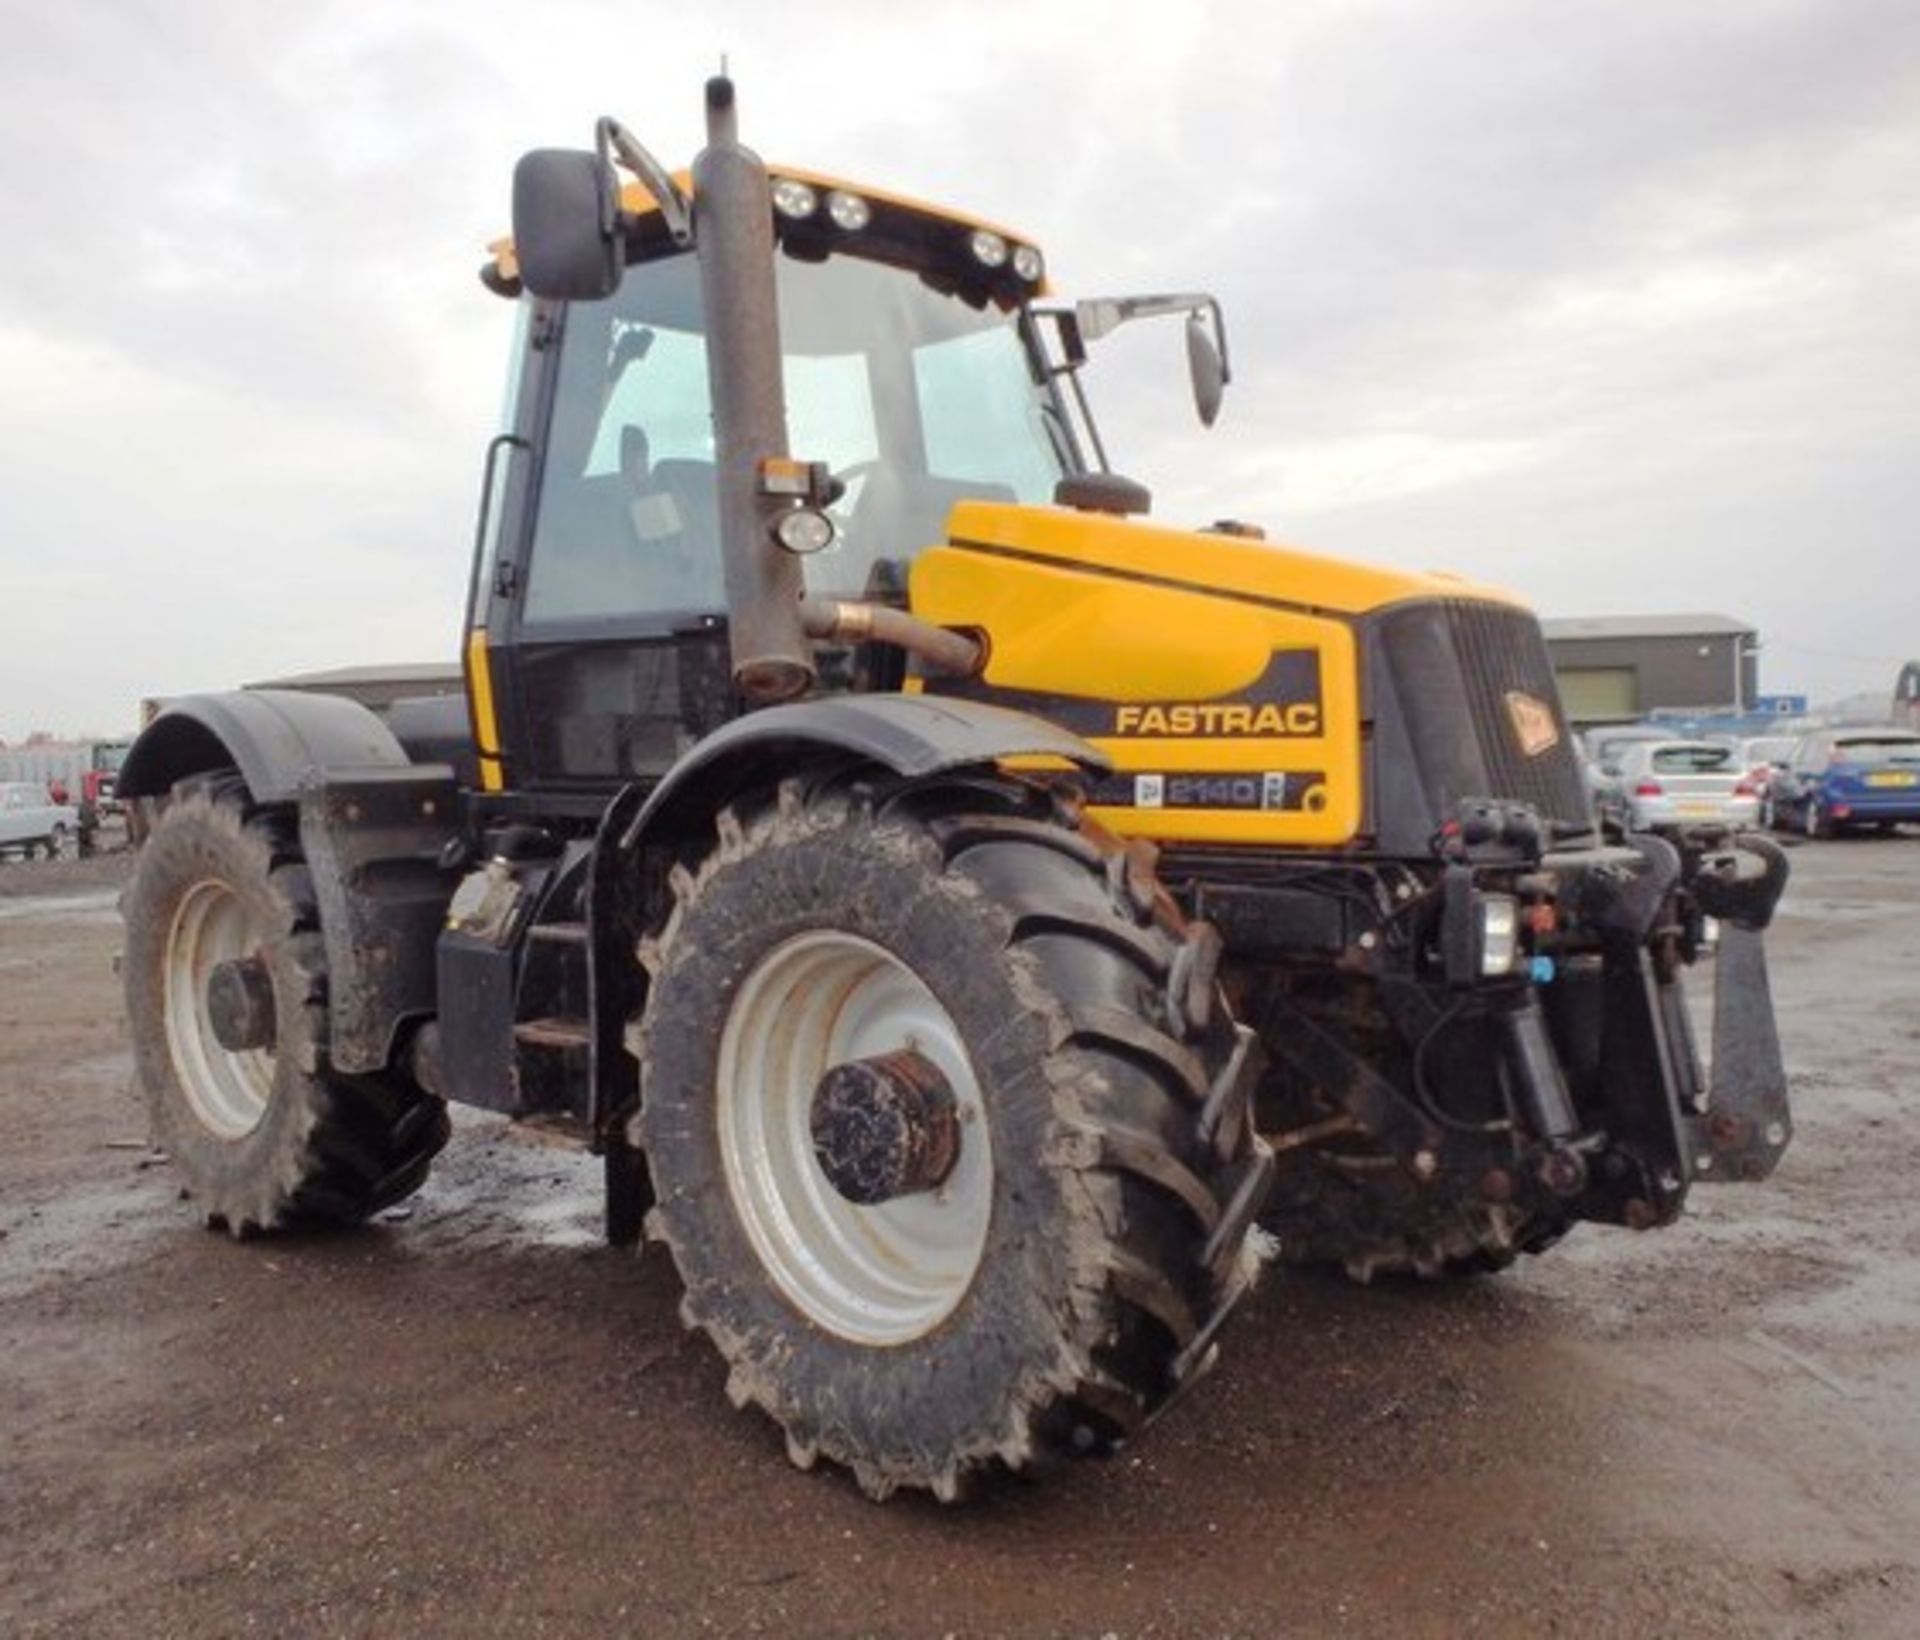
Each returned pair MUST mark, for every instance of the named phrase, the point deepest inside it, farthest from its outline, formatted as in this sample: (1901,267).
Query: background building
(377,687)
(1615,668)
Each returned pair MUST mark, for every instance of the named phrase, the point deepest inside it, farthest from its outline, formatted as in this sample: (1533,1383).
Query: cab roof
(502,271)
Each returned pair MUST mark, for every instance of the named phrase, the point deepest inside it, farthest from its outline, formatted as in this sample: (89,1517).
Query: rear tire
(268,1138)
(1062,1283)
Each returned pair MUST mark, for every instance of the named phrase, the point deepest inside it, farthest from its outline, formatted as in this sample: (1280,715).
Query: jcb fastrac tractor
(958,911)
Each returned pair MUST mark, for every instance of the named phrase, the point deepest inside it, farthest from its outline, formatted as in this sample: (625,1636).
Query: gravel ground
(472,1418)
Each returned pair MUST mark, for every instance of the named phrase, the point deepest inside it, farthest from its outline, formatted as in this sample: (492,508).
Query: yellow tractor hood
(1200,561)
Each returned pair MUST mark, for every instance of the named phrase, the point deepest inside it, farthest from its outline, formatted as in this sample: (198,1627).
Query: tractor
(976,926)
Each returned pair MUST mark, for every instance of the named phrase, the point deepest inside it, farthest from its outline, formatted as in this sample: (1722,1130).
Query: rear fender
(373,825)
(279,740)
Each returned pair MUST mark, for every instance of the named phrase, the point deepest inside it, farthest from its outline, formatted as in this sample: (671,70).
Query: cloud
(1608,303)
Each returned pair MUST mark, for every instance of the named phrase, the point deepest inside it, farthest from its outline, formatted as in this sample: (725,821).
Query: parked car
(31,821)
(1606,743)
(1764,753)
(1764,756)
(1604,747)
(1661,785)
(1840,779)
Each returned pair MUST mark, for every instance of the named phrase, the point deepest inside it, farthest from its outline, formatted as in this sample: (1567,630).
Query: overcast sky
(1617,304)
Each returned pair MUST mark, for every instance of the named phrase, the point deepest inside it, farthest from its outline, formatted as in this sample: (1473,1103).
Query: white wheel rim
(878,1275)
(228,1091)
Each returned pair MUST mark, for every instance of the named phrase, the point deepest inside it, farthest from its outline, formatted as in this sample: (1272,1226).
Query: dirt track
(473,1419)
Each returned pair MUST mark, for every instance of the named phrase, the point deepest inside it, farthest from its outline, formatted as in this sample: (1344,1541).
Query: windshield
(1880,749)
(914,399)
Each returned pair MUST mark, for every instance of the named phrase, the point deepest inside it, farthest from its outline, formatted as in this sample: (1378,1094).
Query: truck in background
(86,770)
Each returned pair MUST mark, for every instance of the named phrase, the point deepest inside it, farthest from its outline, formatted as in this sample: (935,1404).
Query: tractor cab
(897,351)
(909,374)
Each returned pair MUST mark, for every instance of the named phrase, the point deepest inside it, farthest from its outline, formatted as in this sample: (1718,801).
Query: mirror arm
(615,141)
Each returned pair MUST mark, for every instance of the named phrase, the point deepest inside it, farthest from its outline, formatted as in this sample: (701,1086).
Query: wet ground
(473,1419)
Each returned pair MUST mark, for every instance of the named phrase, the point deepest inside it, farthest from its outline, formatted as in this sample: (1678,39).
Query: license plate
(1698,811)
(1892,779)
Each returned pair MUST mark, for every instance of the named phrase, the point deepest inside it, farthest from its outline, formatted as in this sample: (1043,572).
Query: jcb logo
(1269,719)
(1533,724)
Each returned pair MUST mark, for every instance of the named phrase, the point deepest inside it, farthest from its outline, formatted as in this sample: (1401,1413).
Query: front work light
(794,199)
(1027,263)
(1499,933)
(849,212)
(989,249)
(802,531)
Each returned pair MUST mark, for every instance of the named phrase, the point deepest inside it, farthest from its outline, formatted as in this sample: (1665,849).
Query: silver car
(30,820)
(1660,785)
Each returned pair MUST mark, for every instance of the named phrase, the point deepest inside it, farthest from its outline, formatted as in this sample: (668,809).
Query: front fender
(910,735)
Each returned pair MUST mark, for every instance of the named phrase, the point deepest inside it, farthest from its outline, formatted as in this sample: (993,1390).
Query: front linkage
(1469,1053)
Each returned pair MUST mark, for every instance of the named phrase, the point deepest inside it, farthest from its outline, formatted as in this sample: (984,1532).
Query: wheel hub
(828,1021)
(240,1004)
(885,1127)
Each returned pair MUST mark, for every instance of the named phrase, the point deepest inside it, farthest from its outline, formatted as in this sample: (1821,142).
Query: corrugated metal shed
(1645,626)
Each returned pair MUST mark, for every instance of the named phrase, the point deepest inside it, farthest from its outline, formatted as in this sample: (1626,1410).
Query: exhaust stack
(733,227)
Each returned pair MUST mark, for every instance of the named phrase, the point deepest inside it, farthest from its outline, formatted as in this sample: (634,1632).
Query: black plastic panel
(1446,669)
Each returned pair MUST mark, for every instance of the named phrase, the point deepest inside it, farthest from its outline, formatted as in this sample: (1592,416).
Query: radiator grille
(1502,653)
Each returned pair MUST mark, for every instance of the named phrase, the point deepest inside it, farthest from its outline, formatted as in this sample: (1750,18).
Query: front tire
(267,1135)
(1063,1279)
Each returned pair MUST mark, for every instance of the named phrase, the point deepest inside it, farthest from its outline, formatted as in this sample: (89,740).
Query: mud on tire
(266,1139)
(1119,1198)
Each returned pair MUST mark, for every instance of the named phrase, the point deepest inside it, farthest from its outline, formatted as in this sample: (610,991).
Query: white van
(30,820)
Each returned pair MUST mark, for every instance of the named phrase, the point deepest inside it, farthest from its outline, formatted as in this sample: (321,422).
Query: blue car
(1840,779)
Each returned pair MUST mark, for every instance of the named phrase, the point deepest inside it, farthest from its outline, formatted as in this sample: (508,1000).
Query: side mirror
(565,214)
(1100,316)
(1207,370)
(1610,770)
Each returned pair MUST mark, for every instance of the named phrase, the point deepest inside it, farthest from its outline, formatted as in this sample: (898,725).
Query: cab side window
(627,523)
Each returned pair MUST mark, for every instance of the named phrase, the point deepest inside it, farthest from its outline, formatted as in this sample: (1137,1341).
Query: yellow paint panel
(486,726)
(1122,661)
(1257,569)
(1046,623)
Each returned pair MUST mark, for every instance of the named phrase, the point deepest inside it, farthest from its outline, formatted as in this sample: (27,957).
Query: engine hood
(1268,572)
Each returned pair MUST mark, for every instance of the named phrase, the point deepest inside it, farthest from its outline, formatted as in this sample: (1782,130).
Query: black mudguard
(909,735)
(372,826)
(279,740)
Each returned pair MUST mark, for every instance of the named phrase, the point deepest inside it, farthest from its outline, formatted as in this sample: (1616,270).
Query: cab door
(601,598)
